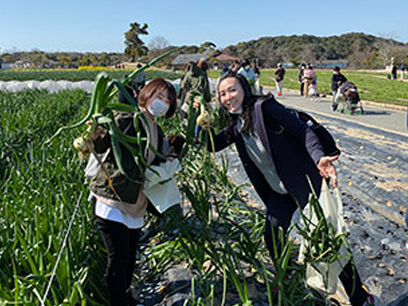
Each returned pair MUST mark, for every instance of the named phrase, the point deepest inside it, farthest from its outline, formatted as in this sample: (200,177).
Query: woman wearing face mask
(278,152)
(120,220)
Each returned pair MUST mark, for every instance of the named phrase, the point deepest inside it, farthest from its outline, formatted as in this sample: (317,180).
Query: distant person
(337,80)
(235,66)
(130,91)
(309,78)
(139,81)
(195,79)
(279,77)
(224,69)
(402,71)
(394,72)
(182,94)
(300,77)
(257,71)
(312,91)
(248,72)
(204,66)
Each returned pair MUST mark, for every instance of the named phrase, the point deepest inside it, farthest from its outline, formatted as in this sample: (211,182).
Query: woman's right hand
(196,103)
(98,132)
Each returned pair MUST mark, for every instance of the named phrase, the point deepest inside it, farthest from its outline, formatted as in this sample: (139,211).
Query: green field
(219,239)
(372,86)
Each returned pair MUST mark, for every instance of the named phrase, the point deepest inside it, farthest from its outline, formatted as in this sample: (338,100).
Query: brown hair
(159,85)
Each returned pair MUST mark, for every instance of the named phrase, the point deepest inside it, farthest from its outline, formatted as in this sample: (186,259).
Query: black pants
(121,243)
(280,209)
(302,88)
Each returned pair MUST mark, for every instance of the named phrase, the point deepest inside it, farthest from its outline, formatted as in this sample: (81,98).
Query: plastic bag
(93,165)
(324,276)
(162,189)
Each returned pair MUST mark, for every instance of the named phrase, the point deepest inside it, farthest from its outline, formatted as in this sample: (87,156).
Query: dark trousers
(302,88)
(121,243)
(280,209)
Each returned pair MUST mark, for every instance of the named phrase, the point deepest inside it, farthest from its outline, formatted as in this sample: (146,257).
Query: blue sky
(99,26)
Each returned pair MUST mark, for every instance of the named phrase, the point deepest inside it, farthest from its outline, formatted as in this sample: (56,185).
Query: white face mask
(158,108)
(236,112)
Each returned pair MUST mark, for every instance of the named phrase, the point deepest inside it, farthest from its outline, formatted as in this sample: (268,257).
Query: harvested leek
(101,111)
(205,121)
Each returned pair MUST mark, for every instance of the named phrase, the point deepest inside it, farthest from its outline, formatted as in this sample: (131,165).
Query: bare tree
(156,46)
(158,43)
(385,47)
(307,54)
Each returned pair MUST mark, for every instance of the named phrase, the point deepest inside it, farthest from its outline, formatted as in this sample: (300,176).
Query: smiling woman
(119,201)
(231,95)
(282,157)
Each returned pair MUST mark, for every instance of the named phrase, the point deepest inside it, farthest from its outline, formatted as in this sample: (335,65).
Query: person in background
(195,79)
(402,71)
(394,72)
(119,206)
(139,81)
(279,152)
(279,77)
(235,66)
(258,86)
(257,72)
(131,92)
(182,93)
(337,80)
(224,69)
(300,77)
(247,72)
(309,78)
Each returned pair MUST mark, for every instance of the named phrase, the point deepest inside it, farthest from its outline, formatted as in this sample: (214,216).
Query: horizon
(121,52)
(98,26)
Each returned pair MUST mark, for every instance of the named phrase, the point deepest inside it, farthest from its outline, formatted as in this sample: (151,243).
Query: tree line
(358,49)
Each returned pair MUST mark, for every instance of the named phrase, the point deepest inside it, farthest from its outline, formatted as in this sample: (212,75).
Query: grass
(372,86)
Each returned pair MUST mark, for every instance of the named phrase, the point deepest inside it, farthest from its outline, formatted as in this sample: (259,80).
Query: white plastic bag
(93,165)
(324,276)
(162,189)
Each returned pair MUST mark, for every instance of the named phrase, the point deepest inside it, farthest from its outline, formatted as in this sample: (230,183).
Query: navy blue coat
(294,147)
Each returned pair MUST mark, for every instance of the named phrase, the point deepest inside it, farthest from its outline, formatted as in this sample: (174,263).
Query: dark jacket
(128,189)
(300,75)
(337,80)
(123,99)
(196,79)
(280,74)
(294,147)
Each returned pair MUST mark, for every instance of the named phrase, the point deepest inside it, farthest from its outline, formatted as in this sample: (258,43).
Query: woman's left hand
(327,169)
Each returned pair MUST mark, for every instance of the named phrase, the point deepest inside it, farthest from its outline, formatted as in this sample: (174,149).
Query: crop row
(42,184)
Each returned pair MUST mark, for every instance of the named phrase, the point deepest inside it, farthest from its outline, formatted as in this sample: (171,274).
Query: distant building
(16,65)
(5,66)
(330,64)
(184,59)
